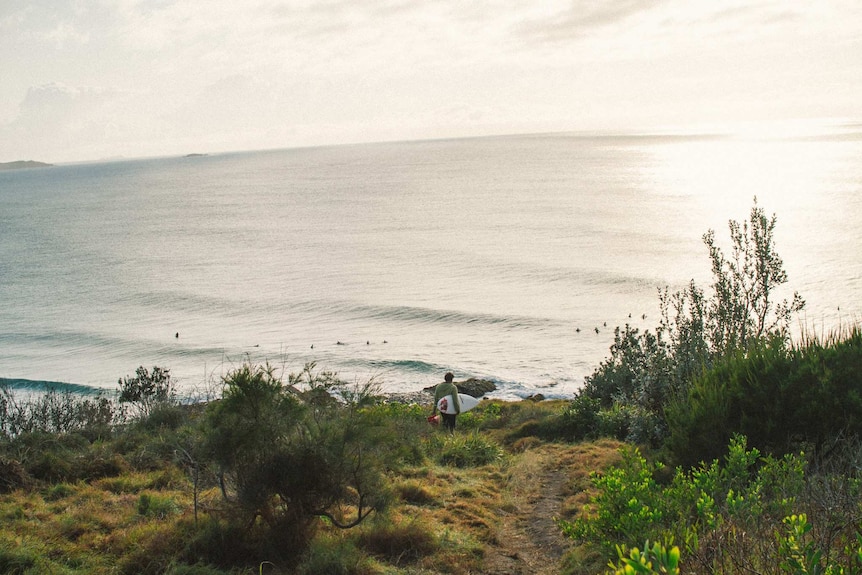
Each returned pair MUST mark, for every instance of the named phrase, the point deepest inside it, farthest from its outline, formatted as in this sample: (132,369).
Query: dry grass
(445,519)
(87,528)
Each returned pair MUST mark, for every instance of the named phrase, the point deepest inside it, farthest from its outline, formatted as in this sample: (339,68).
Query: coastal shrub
(147,389)
(164,417)
(729,516)
(49,457)
(56,412)
(783,398)
(647,370)
(720,513)
(797,554)
(487,415)
(657,559)
(578,421)
(627,505)
(288,455)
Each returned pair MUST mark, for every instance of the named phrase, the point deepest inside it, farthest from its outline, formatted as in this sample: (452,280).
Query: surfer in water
(442,390)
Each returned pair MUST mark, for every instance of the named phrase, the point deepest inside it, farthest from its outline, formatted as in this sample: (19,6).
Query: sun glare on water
(796,170)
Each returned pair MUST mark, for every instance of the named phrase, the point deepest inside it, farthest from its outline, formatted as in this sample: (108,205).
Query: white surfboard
(446,405)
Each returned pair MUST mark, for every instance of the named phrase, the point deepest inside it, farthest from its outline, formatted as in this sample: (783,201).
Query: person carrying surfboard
(445,389)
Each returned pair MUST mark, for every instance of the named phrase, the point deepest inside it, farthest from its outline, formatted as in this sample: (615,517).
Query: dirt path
(529,542)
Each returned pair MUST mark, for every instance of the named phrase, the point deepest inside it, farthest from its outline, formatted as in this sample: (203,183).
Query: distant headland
(22,164)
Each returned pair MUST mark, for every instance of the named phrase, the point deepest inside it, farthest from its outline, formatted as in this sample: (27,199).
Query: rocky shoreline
(472,386)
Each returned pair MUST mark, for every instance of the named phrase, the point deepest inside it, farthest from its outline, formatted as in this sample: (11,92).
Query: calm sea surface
(496,258)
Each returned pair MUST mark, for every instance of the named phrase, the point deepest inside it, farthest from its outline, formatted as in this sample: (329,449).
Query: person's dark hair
(448,377)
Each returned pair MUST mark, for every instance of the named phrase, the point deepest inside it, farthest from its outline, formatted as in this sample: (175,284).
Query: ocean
(504,258)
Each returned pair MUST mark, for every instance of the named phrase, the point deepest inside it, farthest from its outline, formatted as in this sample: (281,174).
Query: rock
(474,387)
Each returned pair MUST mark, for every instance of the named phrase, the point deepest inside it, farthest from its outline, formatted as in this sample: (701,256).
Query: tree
(147,390)
(289,455)
(647,370)
(743,307)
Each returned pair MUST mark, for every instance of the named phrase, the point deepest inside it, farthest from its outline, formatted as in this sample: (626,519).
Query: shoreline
(478,388)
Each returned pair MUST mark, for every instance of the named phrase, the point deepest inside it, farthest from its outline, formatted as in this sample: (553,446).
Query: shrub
(385,421)
(760,392)
(652,560)
(647,370)
(147,389)
(164,417)
(288,456)
(55,412)
(725,515)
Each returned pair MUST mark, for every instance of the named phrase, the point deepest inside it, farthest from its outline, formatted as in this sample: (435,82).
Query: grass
(446,518)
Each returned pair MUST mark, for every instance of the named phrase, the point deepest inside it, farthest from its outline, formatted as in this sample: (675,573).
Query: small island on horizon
(23,164)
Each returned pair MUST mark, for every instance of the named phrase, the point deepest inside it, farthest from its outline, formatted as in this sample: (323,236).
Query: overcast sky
(93,79)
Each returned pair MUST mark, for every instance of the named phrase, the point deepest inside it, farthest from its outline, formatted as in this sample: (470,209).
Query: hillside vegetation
(713,444)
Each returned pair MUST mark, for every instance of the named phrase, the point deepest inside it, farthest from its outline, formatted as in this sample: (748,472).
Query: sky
(87,80)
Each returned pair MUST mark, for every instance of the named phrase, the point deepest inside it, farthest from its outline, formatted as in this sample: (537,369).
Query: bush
(147,389)
(646,370)
(383,422)
(725,515)
(289,455)
(783,398)
(55,412)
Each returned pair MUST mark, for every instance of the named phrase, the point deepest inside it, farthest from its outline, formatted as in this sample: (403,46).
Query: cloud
(56,123)
(582,18)
(141,77)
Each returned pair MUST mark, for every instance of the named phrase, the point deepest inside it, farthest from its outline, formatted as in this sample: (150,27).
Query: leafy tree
(743,309)
(647,369)
(291,453)
(147,389)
